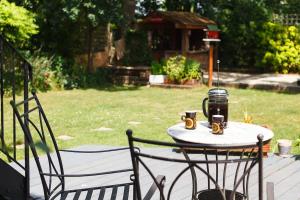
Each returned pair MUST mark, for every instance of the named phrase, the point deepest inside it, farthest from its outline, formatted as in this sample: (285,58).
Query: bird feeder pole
(211,38)
(210,66)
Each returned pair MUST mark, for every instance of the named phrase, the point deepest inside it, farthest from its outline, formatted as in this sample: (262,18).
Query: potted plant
(175,69)
(157,75)
(192,69)
(181,70)
(284,147)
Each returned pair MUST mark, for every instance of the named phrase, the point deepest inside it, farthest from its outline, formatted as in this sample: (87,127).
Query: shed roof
(181,20)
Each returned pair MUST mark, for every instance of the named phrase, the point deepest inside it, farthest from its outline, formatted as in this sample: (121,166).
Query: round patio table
(236,134)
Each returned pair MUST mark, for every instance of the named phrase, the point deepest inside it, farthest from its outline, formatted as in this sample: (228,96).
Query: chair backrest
(40,138)
(209,172)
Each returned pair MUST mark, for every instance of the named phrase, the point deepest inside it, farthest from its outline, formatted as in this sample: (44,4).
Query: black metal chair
(40,138)
(212,173)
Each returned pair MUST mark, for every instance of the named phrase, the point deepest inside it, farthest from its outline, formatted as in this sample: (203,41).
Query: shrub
(297,142)
(16,23)
(179,68)
(56,72)
(47,71)
(157,68)
(175,68)
(192,68)
(75,75)
(78,77)
(101,77)
(280,48)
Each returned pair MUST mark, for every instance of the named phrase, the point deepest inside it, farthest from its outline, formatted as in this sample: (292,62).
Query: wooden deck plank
(284,172)
(292,194)
(97,165)
(125,157)
(272,168)
(286,185)
(279,171)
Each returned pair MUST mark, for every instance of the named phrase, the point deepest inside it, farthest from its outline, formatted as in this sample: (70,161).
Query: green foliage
(102,77)
(280,48)
(297,142)
(248,40)
(179,68)
(66,24)
(175,68)
(137,50)
(157,68)
(96,12)
(47,71)
(239,21)
(16,23)
(78,77)
(144,7)
(57,73)
(89,16)
(181,5)
(192,69)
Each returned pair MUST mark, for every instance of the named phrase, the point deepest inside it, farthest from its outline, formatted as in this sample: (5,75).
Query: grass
(150,111)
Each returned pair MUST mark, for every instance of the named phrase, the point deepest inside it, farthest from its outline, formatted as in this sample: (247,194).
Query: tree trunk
(129,12)
(90,66)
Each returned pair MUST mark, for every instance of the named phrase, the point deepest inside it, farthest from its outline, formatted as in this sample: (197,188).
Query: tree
(144,7)
(31,5)
(292,7)
(16,23)
(128,12)
(239,21)
(66,24)
(181,5)
(92,14)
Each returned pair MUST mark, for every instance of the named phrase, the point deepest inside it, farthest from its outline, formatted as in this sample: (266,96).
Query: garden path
(280,82)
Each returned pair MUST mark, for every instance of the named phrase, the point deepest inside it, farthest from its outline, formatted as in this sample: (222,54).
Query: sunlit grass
(150,111)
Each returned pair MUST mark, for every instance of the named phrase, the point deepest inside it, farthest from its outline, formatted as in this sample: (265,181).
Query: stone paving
(279,82)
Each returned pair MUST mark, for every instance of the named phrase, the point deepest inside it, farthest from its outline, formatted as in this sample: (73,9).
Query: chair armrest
(161,181)
(99,151)
(85,175)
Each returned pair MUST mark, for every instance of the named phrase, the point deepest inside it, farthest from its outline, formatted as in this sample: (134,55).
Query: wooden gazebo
(171,33)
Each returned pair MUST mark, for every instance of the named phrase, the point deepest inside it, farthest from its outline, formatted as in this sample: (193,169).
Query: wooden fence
(287,19)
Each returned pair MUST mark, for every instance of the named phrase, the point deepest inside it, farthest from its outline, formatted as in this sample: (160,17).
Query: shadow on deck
(283,172)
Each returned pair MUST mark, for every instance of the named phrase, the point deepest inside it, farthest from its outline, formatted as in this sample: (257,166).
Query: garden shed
(171,33)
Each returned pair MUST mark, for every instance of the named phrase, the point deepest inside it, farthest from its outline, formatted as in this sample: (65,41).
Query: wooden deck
(283,172)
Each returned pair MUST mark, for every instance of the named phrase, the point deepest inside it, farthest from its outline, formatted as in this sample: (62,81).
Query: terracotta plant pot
(284,147)
(191,82)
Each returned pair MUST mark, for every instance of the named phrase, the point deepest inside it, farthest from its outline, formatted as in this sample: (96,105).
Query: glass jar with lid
(216,104)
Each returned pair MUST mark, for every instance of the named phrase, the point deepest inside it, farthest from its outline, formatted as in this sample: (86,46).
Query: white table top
(236,134)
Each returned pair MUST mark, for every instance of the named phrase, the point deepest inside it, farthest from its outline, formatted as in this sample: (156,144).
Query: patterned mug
(190,119)
(217,125)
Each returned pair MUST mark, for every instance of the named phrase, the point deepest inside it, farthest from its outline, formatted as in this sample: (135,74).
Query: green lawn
(150,111)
